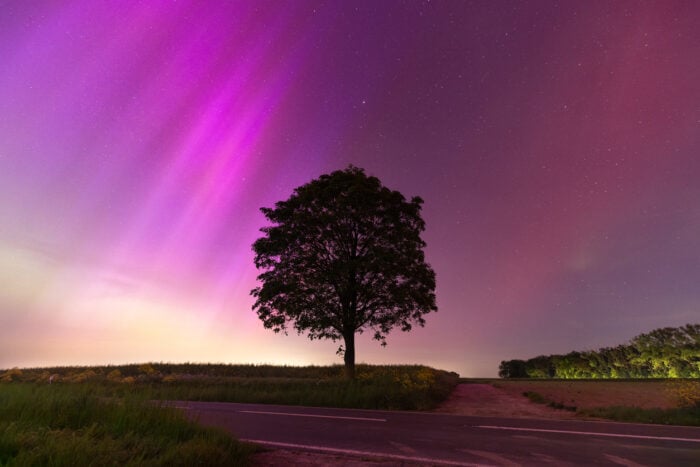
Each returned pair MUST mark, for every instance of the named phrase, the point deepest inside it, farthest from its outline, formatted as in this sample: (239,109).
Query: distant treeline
(662,353)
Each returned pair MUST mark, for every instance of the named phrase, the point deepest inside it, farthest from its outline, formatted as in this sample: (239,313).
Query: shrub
(535,397)
(86,375)
(685,392)
(15,374)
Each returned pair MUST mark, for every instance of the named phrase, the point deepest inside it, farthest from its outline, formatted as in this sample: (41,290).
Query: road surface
(442,439)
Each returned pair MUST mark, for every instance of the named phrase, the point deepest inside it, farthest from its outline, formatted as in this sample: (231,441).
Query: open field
(644,401)
(589,394)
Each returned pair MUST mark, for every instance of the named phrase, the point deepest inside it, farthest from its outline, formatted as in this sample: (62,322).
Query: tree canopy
(661,353)
(343,255)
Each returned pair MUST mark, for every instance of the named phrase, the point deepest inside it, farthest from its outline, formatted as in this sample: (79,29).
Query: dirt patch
(488,401)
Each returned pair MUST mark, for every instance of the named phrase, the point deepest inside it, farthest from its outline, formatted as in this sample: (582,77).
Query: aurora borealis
(556,146)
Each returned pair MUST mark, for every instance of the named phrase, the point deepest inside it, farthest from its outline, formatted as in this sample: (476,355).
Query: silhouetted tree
(343,254)
(512,369)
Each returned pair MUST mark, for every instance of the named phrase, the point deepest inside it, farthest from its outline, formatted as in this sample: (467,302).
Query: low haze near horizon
(556,146)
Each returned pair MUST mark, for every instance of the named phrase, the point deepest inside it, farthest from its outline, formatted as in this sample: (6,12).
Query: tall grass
(406,387)
(65,425)
(396,387)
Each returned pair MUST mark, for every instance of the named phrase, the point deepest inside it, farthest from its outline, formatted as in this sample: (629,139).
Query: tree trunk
(349,355)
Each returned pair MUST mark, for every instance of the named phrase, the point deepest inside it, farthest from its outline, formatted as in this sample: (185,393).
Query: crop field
(406,387)
(667,401)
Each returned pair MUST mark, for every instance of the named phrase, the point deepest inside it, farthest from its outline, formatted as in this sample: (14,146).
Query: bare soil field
(504,398)
(592,394)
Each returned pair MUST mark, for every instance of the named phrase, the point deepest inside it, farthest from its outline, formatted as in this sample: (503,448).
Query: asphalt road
(442,439)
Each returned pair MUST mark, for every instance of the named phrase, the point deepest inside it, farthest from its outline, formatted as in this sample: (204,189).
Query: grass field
(643,401)
(66,425)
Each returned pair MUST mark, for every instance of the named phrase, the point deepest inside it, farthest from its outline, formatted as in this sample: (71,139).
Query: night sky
(556,146)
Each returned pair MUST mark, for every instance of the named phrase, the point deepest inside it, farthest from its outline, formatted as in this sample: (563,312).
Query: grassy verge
(65,425)
(679,416)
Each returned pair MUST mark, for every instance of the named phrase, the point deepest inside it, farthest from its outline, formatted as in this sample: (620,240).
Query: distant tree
(343,255)
(661,353)
(540,367)
(512,369)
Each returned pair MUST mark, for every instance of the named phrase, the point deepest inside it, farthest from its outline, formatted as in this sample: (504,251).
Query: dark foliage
(513,369)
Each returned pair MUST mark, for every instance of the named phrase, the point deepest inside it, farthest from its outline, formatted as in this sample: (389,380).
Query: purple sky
(556,146)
